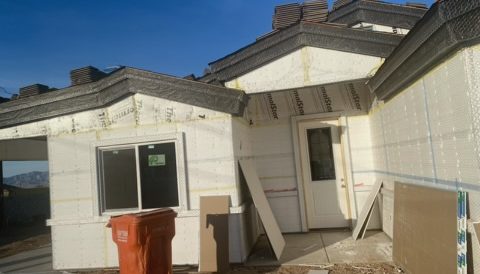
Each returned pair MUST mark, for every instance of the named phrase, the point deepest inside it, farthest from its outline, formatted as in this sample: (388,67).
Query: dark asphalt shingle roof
(120,84)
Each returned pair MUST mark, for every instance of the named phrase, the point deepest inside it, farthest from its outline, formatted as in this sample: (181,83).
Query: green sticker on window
(156,160)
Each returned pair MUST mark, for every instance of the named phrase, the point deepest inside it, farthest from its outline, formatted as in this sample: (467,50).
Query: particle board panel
(214,236)
(476,227)
(425,229)
(264,210)
(473,259)
(387,212)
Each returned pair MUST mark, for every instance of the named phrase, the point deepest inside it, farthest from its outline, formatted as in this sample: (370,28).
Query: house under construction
(328,105)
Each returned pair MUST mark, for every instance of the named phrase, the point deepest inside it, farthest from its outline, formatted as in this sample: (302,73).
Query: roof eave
(326,36)
(116,87)
(377,13)
(447,27)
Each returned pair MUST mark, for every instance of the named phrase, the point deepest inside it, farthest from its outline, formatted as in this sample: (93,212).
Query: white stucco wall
(272,142)
(273,152)
(429,133)
(305,67)
(76,221)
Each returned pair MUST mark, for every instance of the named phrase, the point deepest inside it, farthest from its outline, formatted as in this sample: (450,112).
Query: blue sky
(11,168)
(41,41)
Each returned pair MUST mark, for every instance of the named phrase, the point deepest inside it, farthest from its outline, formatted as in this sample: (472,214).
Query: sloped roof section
(377,12)
(328,36)
(118,85)
(447,27)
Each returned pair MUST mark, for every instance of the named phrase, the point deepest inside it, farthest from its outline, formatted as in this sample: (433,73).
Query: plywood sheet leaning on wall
(366,213)
(425,229)
(272,229)
(214,255)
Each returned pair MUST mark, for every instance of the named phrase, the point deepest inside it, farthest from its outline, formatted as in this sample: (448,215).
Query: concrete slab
(341,248)
(32,261)
(325,247)
(304,249)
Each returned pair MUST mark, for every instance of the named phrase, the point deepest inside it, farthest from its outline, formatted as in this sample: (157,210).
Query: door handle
(343,186)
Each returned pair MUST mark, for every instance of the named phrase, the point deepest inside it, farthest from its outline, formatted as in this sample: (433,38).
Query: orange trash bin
(144,241)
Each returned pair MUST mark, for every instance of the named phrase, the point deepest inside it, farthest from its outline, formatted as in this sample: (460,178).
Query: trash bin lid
(144,217)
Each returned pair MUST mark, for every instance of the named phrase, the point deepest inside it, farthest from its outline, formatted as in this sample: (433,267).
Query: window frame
(135,142)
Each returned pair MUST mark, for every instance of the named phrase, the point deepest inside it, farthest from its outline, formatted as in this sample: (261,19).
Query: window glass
(119,179)
(158,175)
(322,165)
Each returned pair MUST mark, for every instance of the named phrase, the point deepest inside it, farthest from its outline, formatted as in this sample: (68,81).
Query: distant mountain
(28,180)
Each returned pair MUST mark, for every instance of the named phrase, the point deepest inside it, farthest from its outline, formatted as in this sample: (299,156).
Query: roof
(118,85)
(378,13)
(446,27)
(321,35)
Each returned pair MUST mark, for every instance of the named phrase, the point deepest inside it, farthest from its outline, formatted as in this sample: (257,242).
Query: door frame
(345,154)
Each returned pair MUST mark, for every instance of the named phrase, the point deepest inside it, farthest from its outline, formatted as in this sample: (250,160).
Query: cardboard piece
(425,229)
(476,227)
(272,229)
(214,248)
(365,214)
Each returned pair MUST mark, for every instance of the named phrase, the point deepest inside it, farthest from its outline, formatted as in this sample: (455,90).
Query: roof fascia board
(71,105)
(377,13)
(301,35)
(254,48)
(447,27)
(63,94)
(112,89)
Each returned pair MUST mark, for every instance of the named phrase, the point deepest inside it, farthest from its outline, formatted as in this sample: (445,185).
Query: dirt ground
(372,268)
(29,243)
(377,268)
(11,247)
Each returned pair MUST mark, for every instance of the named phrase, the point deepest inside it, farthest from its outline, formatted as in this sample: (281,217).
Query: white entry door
(322,172)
